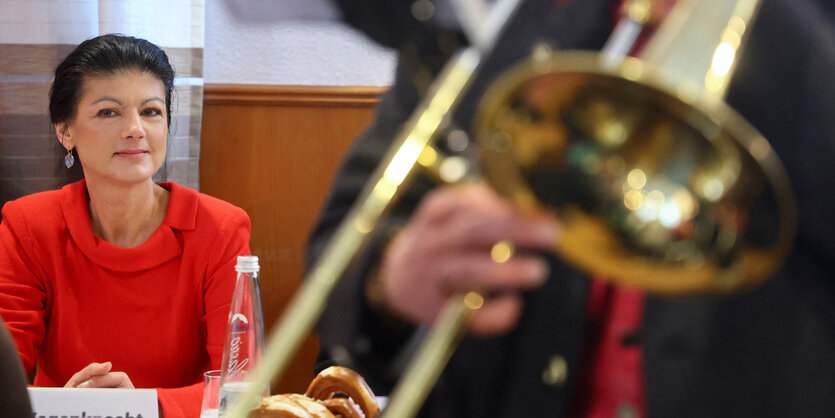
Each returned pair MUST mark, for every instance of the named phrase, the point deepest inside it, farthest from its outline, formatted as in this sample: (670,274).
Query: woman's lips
(131,153)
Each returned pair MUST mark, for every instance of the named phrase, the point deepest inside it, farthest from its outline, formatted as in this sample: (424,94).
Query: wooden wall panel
(272,150)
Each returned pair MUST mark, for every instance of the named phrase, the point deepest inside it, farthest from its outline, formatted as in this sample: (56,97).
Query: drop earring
(69,160)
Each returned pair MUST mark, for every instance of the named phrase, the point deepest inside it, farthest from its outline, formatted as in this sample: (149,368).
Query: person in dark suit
(15,399)
(550,347)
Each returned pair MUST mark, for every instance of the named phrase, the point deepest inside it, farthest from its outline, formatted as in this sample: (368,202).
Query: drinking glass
(211,388)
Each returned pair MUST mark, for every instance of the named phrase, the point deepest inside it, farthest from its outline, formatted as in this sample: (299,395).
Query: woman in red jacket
(117,281)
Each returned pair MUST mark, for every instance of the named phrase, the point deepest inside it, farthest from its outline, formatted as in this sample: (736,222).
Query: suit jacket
(766,352)
(15,399)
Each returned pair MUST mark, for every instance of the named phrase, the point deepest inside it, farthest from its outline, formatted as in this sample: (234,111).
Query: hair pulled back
(106,55)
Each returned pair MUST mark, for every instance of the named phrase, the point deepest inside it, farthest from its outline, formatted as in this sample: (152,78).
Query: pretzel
(319,401)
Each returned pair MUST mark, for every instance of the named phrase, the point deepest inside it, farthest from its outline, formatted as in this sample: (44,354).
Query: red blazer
(157,311)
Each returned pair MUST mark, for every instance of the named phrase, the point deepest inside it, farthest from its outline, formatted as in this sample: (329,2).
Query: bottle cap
(247,264)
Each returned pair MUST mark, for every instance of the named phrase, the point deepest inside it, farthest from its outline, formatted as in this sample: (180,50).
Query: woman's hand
(445,250)
(98,375)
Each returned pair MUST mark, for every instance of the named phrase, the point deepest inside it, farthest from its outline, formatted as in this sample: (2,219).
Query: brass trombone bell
(658,183)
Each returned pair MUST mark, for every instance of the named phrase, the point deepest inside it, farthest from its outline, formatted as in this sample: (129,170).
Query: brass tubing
(435,351)
(700,42)
(352,234)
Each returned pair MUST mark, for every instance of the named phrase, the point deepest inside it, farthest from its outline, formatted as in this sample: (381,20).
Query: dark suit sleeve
(388,22)
(15,399)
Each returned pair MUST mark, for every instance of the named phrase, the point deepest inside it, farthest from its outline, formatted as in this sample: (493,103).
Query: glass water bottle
(244,334)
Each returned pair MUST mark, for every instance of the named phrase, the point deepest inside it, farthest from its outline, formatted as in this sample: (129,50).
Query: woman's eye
(152,111)
(107,113)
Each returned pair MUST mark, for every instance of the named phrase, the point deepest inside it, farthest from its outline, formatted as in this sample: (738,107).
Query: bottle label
(235,364)
(240,325)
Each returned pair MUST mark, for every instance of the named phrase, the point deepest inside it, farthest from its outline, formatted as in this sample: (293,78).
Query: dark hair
(105,55)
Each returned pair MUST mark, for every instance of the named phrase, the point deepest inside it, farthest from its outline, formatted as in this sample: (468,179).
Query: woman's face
(120,128)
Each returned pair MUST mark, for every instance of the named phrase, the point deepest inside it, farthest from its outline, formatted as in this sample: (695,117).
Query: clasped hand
(98,375)
(445,250)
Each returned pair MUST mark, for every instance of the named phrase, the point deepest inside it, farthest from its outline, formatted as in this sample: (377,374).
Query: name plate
(93,403)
